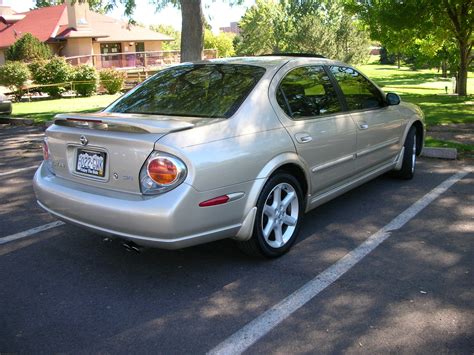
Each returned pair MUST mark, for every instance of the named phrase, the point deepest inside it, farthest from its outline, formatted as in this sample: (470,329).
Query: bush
(112,80)
(55,71)
(36,67)
(223,42)
(14,76)
(28,48)
(88,74)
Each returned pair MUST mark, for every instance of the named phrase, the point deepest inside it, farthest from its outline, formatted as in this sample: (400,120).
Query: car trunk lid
(106,150)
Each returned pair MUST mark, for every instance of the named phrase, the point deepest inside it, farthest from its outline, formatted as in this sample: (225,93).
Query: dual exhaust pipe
(131,246)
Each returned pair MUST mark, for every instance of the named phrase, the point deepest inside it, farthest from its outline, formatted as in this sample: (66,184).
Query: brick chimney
(78,15)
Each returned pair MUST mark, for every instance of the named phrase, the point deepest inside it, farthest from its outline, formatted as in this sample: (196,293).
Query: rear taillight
(161,172)
(47,156)
(45,150)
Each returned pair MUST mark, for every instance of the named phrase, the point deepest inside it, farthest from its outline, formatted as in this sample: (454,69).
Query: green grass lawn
(45,110)
(426,88)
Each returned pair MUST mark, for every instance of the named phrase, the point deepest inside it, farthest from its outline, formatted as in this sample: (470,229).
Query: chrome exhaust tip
(131,246)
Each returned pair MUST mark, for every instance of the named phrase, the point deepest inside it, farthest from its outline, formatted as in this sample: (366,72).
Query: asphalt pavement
(65,290)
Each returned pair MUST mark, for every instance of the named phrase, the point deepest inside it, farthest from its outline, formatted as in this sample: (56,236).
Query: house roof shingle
(49,23)
(41,23)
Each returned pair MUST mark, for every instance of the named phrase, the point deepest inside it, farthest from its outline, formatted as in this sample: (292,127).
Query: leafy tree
(322,27)
(192,26)
(14,75)
(452,21)
(28,48)
(264,29)
(170,31)
(99,6)
(223,42)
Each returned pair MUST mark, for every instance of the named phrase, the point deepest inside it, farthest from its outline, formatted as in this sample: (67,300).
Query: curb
(440,153)
(17,121)
(23,122)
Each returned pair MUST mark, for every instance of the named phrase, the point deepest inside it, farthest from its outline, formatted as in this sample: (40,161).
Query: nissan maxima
(230,148)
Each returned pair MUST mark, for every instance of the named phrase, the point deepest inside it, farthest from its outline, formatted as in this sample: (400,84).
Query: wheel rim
(280,215)
(413,155)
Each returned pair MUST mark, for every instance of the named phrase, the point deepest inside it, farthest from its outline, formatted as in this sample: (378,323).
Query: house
(233,28)
(83,36)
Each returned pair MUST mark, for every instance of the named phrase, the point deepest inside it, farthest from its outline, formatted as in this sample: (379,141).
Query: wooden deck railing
(134,59)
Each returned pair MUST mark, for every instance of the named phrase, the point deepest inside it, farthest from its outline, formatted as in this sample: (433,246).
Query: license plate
(91,163)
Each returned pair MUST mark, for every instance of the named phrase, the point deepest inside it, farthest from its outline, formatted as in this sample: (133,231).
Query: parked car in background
(237,147)
(5,105)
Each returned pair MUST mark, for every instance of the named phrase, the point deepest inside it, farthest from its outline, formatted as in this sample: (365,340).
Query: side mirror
(393,99)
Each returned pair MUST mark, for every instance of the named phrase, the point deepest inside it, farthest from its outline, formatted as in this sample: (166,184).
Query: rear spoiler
(133,123)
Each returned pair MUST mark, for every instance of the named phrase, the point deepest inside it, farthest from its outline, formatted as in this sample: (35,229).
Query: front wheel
(407,170)
(278,219)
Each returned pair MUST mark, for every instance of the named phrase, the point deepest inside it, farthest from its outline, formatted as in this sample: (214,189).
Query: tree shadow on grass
(410,78)
(442,109)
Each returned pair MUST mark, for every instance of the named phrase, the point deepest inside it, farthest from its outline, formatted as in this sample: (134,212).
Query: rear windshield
(197,90)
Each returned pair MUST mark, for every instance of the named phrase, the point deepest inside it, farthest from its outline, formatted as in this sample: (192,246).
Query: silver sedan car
(231,148)
(5,105)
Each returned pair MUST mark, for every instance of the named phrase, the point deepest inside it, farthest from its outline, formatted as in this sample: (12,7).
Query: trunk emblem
(83,140)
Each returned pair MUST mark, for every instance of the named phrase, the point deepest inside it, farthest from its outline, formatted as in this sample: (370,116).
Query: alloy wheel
(280,215)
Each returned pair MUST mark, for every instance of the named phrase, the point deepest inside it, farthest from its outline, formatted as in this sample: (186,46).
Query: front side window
(194,90)
(360,93)
(307,92)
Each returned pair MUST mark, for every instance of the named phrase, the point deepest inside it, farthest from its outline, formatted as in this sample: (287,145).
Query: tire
(409,157)
(276,227)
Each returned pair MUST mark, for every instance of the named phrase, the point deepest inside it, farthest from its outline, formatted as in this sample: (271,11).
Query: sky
(217,12)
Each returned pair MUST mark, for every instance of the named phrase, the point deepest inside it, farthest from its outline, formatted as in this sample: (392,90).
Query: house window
(110,55)
(110,48)
(140,47)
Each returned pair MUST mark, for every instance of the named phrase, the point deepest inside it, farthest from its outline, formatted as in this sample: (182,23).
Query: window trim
(344,97)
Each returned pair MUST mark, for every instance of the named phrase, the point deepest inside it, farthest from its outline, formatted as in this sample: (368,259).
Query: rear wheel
(278,218)
(409,156)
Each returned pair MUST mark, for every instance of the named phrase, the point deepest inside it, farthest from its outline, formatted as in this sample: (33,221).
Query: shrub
(36,66)
(14,76)
(112,80)
(88,77)
(55,71)
(28,48)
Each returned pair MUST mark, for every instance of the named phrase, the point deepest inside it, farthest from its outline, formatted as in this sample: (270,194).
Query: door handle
(303,137)
(363,125)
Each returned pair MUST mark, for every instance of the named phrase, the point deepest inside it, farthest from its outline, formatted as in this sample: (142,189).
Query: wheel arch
(288,162)
(420,136)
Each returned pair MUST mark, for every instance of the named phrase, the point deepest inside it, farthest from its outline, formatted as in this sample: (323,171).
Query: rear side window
(307,92)
(196,90)
(360,93)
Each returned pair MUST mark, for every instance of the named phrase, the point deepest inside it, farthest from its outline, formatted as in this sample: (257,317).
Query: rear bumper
(171,221)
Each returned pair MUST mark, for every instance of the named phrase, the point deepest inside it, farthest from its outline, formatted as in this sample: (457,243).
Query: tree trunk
(398,60)
(444,68)
(463,64)
(192,30)
(462,30)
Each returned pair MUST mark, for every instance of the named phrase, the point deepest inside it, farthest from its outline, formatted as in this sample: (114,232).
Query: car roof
(272,61)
